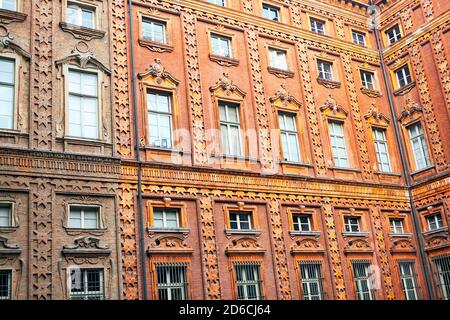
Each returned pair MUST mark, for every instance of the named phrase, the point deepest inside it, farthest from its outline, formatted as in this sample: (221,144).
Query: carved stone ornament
(82,33)
(404,90)
(6,42)
(330,104)
(86,246)
(244,245)
(8,249)
(330,84)
(155,46)
(371,93)
(223,61)
(438,241)
(159,73)
(83,57)
(281,73)
(357,245)
(375,116)
(402,245)
(226,84)
(307,245)
(409,109)
(170,244)
(282,95)
(8,16)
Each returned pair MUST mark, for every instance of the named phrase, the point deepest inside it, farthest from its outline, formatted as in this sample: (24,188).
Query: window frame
(88,6)
(270,49)
(9,273)
(169,114)
(287,132)
(271,8)
(358,280)
(360,33)
(152,21)
(17,60)
(319,281)
(100,222)
(358,223)
(387,39)
(84,271)
(229,124)
(332,147)
(254,262)
(332,72)
(393,228)
(312,19)
(181,265)
(222,37)
(164,217)
(376,148)
(12,216)
(241,207)
(167,203)
(413,277)
(397,79)
(224,2)
(424,148)
(438,222)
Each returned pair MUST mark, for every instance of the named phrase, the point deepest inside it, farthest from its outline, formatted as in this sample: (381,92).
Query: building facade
(282,149)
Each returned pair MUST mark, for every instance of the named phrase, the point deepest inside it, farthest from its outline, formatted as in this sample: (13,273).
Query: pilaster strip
(442,64)
(247,5)
(427,6)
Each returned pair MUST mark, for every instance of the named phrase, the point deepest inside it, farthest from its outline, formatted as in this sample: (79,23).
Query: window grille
(172,281)
(408,278)
(442,274)
(87,284)
(5,284)
(312,280)
(361,275)
(248,281)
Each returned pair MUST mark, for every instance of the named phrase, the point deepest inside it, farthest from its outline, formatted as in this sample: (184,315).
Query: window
(338,146)
(419,146)
(80,15)
(5,215)
(5,284)
(289,138)
(359,38)
(408,280)
(166,218)
(87,284)
(240,220)
(7,88)
(352,224)
(361,274)
(302,222)
(311,275)
(171,281)
(396,225)
(381,149)
(8,5)
(403,76)
(271,13)
(83,217)
(442,264)
(393,34)
(248,281)
(83,105)
(221,46)
(277,59)
(325,70)
(367,79)
(434,221)
(230,128)
(159,119)
(154,30)
(317,26)
(218,2)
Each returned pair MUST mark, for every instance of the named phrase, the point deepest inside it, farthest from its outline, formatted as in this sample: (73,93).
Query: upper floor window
(325,70)
(6,215)
(381,149)
(7,89)
(367,79)
(83,117)
(311,278)
(5,284)
(221,45)
(434,221)
(154,30)
(352,224)
(230,128)
(218,2)
(302,222)
(396,225)
(359,38)
(87,284)
(393,34)
(166,218)
(289,137)
(240,220)
(84,217)
(403,76)
(8,5)
(419,146)
(363,283)
(278,59)
(248,281)
(271,13)
(317,26)
(80,15)
(338,145)
(408,279)
(171,281)
(159,119)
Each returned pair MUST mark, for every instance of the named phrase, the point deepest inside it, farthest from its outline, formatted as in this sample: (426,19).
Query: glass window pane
(88,19)
(75,218)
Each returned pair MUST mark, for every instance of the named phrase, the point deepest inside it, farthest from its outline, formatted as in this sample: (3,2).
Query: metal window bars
(408,279)
(248,281)
(312,280)
(362,278)
(5,284)
(87,284)
(442,275)
(172,280)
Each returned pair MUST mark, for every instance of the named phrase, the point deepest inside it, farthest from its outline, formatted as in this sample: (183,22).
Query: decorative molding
(358,246)
(409,109)
(442,64)
(85,246)
(374,116)
(159,73)
(371,93)
(329,84)
(223,61)
(405,89)
(245,245)
(82,33)
(169,244)
(6,42)
(331,105)
(7,249)
(82,56)
(8,16)
(282,98)
(306,245)
(402,245)
(280,73)
(155,46)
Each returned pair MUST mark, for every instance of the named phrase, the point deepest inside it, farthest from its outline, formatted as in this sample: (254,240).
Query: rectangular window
(5,215)
(359,38)
(403,76)
(325,70)
(82,217)
(154,30)
(393,34)
(278,59)
(311,278)
(434,221)
(442,264)
(8,5)
(396,225)
(172,281)
(419,146)
(87,284)
(271,13)
(408,280)
(302,222)
(221,46)
(248,281)
(317,26)
(5,284)
(338,145)
(83,105)
(166,218)
(352,224)
(361,275)
(159,119)
(218,2)
(7,88)
(381,149)
(230,128)
(80,15)
(240,220)
(367,79)
(289,137)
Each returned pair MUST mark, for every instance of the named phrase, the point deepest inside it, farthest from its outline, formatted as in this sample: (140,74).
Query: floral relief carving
(244,245)
(442,63)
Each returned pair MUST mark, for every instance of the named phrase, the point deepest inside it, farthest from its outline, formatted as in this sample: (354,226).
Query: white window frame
(356,38)
(275,60)
(164,212)
(16,5)
(322,72)
(437,219)
(394,227)
(244,283)
(14,86)
(313,25)
(378,143)
(86,293)
(367,79)
(80,7)
(340,159)
(290,153)
(170,269)
(403,76)
(160,114)
(238,219)
(297,221)
(311,273)
(220,40)
(407,272)
(395,36)
(221,3)
(421,155)
(10,205)
(272,9)
(348,224)
(360,280)
(82,218)
(229,124)
(152,23)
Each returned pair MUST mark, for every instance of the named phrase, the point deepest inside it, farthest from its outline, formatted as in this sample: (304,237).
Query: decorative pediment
(282,99)
(437,242)
(225,88)
(306,245)
(7,44)
(330,107)
(376,117)
(170,244)
(358,245)
(86,246)
(157,75)
(410,109)
(7,249)
(84,58)
(402,245)
(244,245)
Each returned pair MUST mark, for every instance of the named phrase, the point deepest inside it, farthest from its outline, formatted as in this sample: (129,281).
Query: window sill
(252,232)
(404,90)
(223,61)
(152,230)
(438,230)
(8,229)
(82,33)
(371,93)
(304,233)
(11,132)
(345,169)
(155,46)
(388,173)
(232,157)
(355,234)
(330,84)
(8,16)
(423,170)
(85,141)
(159,149)
(78,231)
(293,163)
(280,73)
(400,235)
